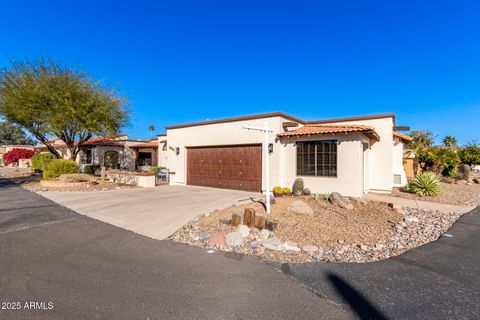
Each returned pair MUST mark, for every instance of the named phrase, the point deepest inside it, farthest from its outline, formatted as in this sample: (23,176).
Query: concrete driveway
(152,212)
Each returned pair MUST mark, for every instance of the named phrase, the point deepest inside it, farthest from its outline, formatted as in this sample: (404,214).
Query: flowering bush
(16,154)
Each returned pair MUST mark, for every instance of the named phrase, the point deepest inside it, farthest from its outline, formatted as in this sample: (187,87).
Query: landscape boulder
(475,180)
(273,244)
(341,201)
(218,240)
(234,239)
(244,230)
(300,206)
(265,234)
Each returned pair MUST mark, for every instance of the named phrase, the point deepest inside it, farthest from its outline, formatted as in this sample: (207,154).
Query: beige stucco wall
(380,157)
(349,179)
(398,167)
(231,133)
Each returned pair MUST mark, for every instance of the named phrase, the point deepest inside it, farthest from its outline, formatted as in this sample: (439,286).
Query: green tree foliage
(444,161)
(421,139)
(450,141)
(49,100)
(470,154)
(11,134)
(151,128)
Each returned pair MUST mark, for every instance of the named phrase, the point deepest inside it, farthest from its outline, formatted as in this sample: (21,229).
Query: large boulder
(273,244)
(234,239)
(300,206)
(244,230)
(341,201)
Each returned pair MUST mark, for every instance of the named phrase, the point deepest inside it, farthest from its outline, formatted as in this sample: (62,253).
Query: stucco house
(118,152)
(352,156)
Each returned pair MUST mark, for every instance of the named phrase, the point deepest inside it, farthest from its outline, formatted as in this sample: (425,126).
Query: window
(144,159)
(88,156)
(317,158)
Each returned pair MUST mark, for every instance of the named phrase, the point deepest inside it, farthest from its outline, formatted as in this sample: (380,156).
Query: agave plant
(426,184)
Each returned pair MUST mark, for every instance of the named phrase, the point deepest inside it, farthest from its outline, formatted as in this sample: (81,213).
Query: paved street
(440,280)
(90,269)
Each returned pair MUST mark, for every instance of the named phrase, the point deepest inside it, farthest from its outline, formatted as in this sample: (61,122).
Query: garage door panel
(235,167)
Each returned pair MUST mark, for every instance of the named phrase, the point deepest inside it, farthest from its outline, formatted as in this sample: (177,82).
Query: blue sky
(182,61)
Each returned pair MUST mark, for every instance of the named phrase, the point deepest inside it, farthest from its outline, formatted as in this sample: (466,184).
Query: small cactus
(297,188)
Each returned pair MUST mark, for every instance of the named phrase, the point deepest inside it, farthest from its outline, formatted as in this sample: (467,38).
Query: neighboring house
(118,152)
(352,156)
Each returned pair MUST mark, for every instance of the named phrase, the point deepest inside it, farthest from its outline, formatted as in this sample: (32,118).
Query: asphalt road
(440,280)
(75,267)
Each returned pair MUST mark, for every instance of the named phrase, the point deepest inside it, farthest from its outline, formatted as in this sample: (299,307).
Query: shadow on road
(357,302)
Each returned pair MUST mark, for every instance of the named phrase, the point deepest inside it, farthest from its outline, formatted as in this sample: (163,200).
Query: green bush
(470,154)
(90,168)
(57,167)
(153,169)
(41,160)
(426,184)
(297,188)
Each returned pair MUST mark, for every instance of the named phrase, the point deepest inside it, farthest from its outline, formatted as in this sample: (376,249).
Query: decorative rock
(341,201)
(291,246)
(218,240)
(244,230)
(309,249)
(203,235)
(300,206)
(364,247)
(410,219)
(307,192)
(273,244)
(265,234)
(340,241)
(234,239)
(475,180)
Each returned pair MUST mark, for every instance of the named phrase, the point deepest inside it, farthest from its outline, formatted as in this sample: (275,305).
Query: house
(117,152)
(23,163)
(352,156)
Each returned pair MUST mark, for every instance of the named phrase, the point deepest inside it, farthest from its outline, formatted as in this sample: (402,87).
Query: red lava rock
(218,239)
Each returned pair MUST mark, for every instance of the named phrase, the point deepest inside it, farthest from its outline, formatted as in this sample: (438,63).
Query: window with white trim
(317,158)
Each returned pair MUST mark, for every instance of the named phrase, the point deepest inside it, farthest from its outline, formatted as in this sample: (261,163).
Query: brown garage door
(232,167)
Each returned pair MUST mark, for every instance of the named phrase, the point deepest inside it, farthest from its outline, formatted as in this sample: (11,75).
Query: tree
(421,139)
(16,154)
(450,141)
(151,128)
(11,134)
(49,100)
(470,154)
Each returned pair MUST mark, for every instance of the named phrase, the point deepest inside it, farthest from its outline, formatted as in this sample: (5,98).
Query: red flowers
(16,154)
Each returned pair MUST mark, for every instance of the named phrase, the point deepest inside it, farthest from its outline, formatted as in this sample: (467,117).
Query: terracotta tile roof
(402,136)
(97,141)
(318,129)
(150,144)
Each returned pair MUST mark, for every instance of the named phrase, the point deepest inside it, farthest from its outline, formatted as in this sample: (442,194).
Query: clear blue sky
(182,61)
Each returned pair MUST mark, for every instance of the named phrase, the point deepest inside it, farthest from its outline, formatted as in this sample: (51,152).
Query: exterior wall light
(270,148)
(177,151)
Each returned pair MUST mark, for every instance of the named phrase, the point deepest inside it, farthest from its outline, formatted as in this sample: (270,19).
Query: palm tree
(450,141)
(152,129)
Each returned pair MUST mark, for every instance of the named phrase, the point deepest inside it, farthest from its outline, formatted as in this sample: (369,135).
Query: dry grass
(368,223)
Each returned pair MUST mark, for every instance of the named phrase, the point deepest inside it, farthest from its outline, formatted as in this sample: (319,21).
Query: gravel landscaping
(460,193)
(371,231)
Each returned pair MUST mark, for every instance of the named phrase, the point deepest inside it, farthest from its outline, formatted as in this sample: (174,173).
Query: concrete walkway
(409,203)
(152,212)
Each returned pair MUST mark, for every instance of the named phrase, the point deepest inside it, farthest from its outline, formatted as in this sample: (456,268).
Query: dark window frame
(141,160)
(317,158)
(88,154)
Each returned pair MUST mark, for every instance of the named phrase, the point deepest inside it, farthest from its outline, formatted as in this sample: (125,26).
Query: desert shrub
(16,154)
(444,161)
(286,190)
(426,184)
(326,196)
(297,188)
(40,161)
(470,154)
(90,168)
(57,167)
(154,169)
